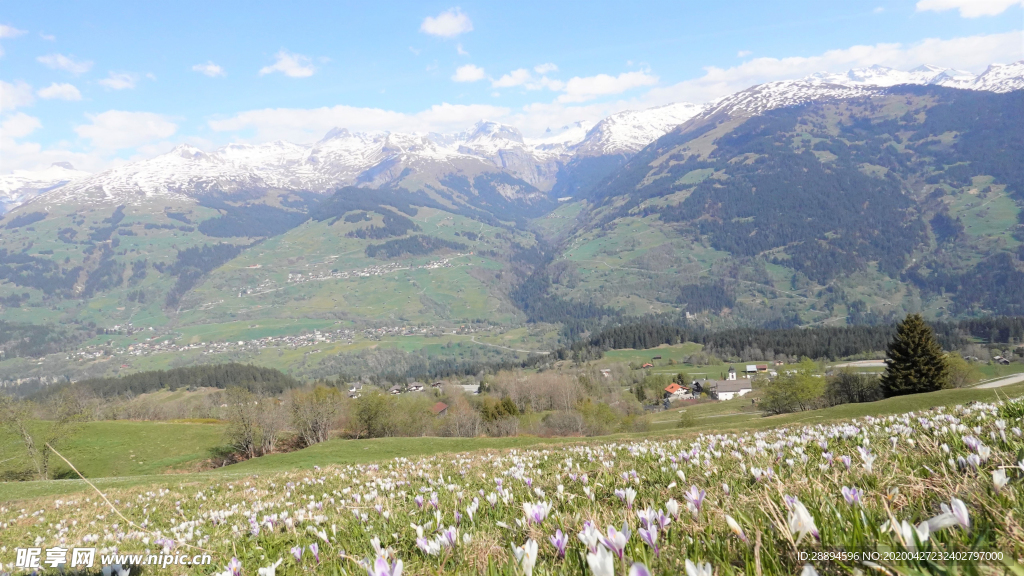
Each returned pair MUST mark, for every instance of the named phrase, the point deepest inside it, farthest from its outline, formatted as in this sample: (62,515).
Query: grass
(782,488)
(124,448)
(156,456)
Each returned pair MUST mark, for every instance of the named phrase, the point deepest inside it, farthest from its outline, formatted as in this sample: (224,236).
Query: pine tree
(916,362)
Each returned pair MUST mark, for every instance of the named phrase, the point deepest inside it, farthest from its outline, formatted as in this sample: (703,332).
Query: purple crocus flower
(663,520)
(536,513)
(450,535)
(650,537)
(845,460)
(638,569)
(616,541)
(559,541)
(433,500)
(380,567)
(695,499)
(852,495)
(419,501)
(235,567)
(297,552)
(316,551)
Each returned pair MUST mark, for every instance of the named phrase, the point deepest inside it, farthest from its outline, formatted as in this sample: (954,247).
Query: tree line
(829,342)
(246,376)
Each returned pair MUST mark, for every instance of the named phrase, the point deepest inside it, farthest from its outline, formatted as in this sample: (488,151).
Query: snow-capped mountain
(23,185)
(371,158)
(375,158)
(628,132)
(1000,78)
(862,82)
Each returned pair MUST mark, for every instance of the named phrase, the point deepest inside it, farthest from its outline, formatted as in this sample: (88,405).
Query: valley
(761,209)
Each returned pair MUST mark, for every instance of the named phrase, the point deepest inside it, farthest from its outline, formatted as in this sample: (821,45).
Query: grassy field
(746,503)
(103,450)
(124,448)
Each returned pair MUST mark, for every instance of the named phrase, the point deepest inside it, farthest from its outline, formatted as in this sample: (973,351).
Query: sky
(101,83)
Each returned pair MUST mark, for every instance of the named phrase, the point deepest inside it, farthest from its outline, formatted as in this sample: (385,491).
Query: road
(475,341)
(861,364)
(1013,379)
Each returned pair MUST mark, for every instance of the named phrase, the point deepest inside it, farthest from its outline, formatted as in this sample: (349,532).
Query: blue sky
(98,83)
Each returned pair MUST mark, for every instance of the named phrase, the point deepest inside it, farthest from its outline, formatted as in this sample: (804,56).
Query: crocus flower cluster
(635,506)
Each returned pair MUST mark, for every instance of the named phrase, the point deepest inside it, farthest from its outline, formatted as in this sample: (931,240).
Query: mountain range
(833,199)
(343,158)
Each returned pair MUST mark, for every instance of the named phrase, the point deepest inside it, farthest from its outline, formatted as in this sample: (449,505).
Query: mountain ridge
(373,159)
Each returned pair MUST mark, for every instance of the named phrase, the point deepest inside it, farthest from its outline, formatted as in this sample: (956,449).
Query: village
(167,344)
(733,386)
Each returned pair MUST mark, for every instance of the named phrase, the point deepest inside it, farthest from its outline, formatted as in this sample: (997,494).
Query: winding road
(1012,379)
(475,341)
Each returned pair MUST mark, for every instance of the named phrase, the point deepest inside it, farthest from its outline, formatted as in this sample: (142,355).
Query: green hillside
(851,211)
(834,212)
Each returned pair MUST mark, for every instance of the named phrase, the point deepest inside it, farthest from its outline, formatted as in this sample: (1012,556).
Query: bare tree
(244,416)
(271,421)
(314,412)
(64,411)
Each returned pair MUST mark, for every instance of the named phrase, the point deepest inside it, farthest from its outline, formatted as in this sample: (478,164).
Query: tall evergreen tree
(916,362)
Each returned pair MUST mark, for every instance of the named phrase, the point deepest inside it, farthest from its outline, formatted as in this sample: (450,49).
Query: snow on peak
(21,186)
(630,131)
(343,157)
(1001,78)
(486,130)
(864,82)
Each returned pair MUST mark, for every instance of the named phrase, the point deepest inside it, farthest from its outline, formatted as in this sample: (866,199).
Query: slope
(857,208)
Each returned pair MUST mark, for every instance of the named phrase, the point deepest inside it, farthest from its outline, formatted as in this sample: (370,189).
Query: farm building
(676,392)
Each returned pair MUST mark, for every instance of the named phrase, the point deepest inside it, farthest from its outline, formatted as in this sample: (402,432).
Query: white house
(727,389)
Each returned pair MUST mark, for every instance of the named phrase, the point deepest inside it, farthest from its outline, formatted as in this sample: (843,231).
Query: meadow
(748,501)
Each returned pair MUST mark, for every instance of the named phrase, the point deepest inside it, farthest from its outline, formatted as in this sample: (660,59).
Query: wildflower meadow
(930,492)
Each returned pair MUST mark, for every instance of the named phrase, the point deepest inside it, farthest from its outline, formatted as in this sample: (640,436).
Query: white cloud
(513,78)
(210,69)
(973,53)
(468,73)
(19,125)
(448,24)
(60,92)
(15,95)
(291,65)
(308,125)
(117,129)
(119,81)
(545,68)
(969,8)
(460,51)
(66,63)
(581,89)
(523,77)
(743,53)
(878,10)
(48,37)
(9,31)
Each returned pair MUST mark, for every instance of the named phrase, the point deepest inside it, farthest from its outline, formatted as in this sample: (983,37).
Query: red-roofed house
(676,392)
(439,409)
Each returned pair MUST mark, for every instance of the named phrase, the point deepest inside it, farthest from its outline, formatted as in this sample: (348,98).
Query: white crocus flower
(526,555)
(999,478)
(602,563)
(801,522)
(698,569)
(270,570)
